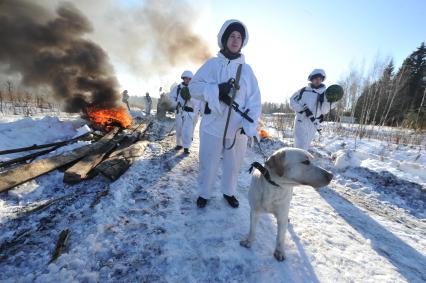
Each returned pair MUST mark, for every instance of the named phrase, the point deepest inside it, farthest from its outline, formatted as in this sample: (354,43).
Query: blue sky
(290,38)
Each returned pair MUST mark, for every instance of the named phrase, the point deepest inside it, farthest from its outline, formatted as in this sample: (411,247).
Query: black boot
(178,147)
(231,200)
(186,150)
(201,202)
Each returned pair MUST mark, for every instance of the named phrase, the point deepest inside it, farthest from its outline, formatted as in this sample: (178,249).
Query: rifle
(244,114)
(235,105)
(311,117)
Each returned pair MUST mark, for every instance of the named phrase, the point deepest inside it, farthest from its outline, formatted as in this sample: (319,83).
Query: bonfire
(263,134)
(108,118)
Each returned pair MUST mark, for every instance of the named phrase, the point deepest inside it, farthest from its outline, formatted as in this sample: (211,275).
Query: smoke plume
(49,49)
(149,37)
(50,46)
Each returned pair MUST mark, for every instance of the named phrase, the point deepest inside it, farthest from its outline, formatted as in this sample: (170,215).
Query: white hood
(225,26)
(186,74)
(317,72)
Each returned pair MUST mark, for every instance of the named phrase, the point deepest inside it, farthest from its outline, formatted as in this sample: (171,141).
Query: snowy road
(148,229)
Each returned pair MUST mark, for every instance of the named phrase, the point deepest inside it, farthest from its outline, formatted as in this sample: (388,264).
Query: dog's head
(292,165)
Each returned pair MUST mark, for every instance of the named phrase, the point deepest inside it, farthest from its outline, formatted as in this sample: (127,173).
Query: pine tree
(418,76)
(394,99)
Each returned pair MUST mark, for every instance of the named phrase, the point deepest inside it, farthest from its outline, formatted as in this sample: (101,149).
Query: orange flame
(110,117)
(263,134)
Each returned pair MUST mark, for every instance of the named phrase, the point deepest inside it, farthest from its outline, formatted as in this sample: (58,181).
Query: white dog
(285,169)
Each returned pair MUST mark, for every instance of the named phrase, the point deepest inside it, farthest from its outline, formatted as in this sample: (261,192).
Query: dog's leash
(262,169)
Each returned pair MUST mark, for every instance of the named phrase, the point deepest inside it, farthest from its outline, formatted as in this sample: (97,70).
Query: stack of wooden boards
(111,156)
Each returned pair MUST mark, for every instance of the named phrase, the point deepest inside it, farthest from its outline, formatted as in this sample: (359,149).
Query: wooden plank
(24,173)
(81,170)
(114,166)
(61,245)
(33,147)
(27,157)
(122,158)
(136,135)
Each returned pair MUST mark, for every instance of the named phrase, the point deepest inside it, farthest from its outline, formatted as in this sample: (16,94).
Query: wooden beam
(28,156)
(61,245)
(24,173)
(122,158)
(81,170)
(33,147)
(114,166)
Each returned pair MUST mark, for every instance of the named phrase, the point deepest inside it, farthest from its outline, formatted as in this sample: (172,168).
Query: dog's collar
(263,171)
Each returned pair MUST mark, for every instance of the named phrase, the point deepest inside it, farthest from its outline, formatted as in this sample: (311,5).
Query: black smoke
(49,48)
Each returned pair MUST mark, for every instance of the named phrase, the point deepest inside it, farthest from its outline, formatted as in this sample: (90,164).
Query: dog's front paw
(279,255)
(245,243)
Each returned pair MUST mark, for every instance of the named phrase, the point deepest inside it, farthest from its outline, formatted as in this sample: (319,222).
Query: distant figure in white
(214,84)
(186,112)
(125,98)
(148,104)
(310,105)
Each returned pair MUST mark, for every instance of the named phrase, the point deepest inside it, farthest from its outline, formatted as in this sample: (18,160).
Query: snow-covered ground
(368,225)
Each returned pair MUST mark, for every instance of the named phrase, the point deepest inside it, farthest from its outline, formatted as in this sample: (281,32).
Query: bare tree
(396,88)
(420,108)
(27,103)
(10,90)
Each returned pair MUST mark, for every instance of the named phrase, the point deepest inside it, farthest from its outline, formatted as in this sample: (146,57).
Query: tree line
(270,107)
(16,101)
(383,96)
(394,98)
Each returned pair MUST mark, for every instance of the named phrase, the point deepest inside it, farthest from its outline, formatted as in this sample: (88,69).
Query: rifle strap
(178,92)
(300,95)
(234,93)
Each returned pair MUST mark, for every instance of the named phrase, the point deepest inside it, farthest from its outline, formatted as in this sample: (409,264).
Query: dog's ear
(275,162)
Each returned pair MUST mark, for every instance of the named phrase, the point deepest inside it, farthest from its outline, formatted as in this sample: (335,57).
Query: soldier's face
(316,82)
(186,80)
(235,41)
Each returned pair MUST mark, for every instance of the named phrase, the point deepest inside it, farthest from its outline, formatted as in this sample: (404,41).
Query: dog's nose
(329,176)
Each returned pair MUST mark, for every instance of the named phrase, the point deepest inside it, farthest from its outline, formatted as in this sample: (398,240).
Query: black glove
(306,111)
(225,99)
(224,89)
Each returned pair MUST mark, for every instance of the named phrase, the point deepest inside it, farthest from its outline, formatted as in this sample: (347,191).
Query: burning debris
(107,118)
(264,134)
